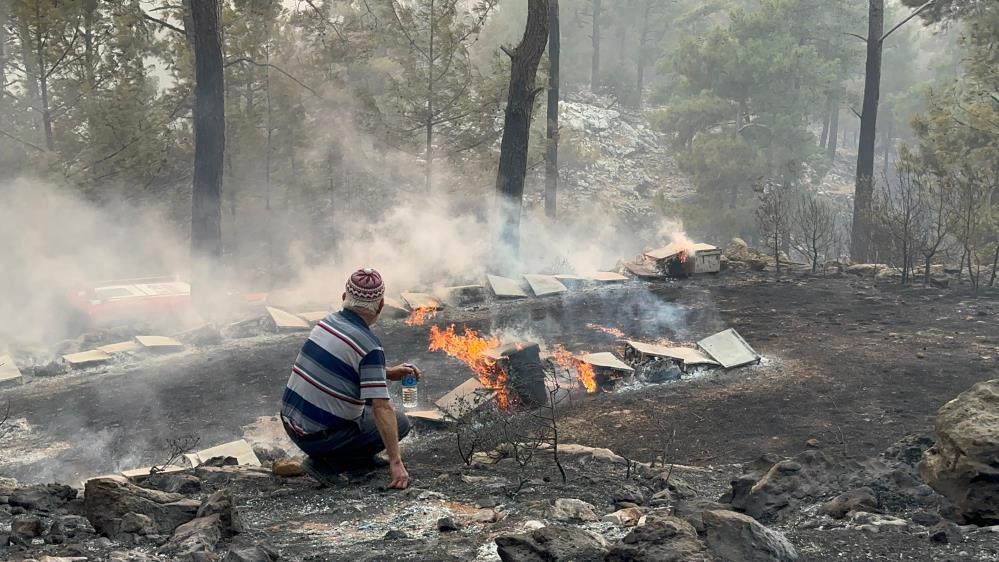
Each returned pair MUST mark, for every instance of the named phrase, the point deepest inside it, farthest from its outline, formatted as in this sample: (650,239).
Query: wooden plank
(464,399)
(240,450)
(86,358)
(606,360)
(728,348)
(286,320)
(688,355)
(120,347)
(608,277)
(544,285)
(421,300)
(10,375)
(506,288)
(314,316)
(159,343)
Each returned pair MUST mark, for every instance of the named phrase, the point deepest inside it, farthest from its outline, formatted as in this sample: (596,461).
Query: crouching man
(336,405)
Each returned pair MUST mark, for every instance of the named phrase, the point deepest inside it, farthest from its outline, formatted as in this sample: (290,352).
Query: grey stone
(107,500)
(174,482)
(860,499)
(26,526)
(198,535)
(42,497)
(221,503)
(257,552)
(446,525)
(692,511)
(138,524)
(550,544)
(660,538)
(946,532)
(735,536)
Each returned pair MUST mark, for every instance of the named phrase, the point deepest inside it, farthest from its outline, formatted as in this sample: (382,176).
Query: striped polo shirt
(340,367)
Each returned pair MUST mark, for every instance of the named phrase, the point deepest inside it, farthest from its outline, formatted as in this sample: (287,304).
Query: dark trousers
(358,442)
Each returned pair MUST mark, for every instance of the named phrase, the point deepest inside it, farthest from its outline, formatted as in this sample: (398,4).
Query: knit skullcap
(366,285)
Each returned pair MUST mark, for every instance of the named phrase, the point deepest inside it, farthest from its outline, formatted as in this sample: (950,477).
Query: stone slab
(287,321)
(159,343)
(421,300)
(120,347)
(464,399)
(544,285)
(606,360)
(10,375)
(728,348)
(506,288)
(240,450)
(86,358)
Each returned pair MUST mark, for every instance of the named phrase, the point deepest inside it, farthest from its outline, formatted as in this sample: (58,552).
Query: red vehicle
(151,300)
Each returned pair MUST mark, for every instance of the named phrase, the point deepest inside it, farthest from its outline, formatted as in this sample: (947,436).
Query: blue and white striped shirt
(340,367)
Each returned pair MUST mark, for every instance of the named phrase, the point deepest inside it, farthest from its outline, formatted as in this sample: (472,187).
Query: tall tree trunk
(824,137)
(209,149)
(864,192)
(43,80)
(643,39)
(833,126)
(430,101)
(31,70)
(551,148)
(889,137)
(268,206)
(517,127)
(4,16)
(595,59)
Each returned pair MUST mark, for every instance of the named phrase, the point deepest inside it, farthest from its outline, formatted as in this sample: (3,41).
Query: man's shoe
(321,472)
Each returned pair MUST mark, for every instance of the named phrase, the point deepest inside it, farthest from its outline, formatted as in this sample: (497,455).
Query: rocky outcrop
(734,536)
(963,465)
(549,544)
(809,475)
(107,500)
(860,499)
(661,538)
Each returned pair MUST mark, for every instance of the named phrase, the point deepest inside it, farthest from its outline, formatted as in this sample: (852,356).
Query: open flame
(420,315)
(612,331)
(584,371)
(470,348)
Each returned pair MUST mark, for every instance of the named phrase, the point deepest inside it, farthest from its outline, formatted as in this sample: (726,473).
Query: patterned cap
(366,285)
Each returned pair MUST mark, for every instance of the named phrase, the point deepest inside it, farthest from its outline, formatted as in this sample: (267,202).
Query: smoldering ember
(520,281)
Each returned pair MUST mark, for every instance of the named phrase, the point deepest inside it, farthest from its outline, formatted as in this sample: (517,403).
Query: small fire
(470,348)
(612,331)
(420,315)
(584,371)
(683,256)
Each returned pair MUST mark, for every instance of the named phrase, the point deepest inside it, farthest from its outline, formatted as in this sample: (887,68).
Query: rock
(107,500)
(692,511)
(866,269)
(550,544)
(589,453)
(809,475)
(860,499)
(571,509)
(925,519)
(258,552)
(446,525)
(221,503)
(71,526)
(629,493)
(963,465)
(661,538)
(7,485)
(813,443)
(486,516)
(26,526)
(137,524)
(198,535)
(533,525)
(873,522)
(946,532)
(734,536)
(174,482)
(269,453)
(42,497)
(287,467)
(395,535)
(627,517)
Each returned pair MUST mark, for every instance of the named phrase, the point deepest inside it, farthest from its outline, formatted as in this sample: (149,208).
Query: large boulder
(807,476)
(963,465)
(42,497)
(199,535)
(221,503)
(859,499)
(734,536)
(107,500)
(660,538)
(551,544)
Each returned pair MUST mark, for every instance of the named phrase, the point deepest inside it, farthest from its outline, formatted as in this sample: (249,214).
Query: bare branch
(275,67)
(162,23)
(22,141)
(861,37)
(915,13)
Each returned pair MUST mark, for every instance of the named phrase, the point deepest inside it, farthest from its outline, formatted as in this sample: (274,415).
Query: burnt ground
(854,363)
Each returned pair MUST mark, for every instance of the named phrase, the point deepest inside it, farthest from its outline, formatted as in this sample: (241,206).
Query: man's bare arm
(388,429)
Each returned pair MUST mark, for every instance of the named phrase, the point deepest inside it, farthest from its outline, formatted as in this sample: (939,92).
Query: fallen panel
(286,320)
(608,277)
(504,287)
(240,450)
(688,355)
(86,358)
(544,285)
(641,270)
(120,347)
(729,349)
(465,399)
(571,280)
(143,472)
(394,308)
(421,300)
(605,359)
(675,248)
(10,375)
(159,343)
(431,416)
(314,316)
(464,294)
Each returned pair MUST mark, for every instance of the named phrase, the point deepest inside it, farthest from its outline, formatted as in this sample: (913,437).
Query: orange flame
(584,371)
(612,331)
(470,348)
(420,315)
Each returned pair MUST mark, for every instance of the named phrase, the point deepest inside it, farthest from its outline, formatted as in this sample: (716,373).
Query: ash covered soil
(851,367)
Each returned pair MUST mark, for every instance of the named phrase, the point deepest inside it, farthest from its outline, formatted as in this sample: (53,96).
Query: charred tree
(864,192)
(517,124)
(595,59)
(643,40)
(833,126)
(209,148)
(551,148)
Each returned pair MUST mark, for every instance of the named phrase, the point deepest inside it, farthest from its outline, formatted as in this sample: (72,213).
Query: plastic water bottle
(409,393)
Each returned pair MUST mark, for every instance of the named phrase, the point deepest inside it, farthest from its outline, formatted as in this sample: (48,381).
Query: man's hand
(398,372)
(399,475)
